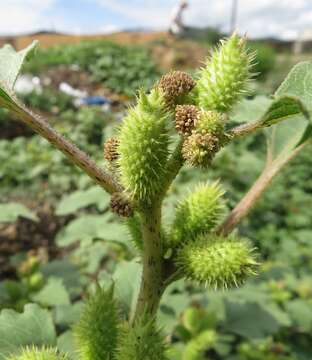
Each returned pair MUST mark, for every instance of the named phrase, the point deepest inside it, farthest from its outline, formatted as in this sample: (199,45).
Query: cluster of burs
(143,156)
(140,155)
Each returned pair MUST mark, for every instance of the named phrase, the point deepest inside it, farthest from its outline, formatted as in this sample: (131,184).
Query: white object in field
(69,90)
(176,23)
(304,38)
(26,84)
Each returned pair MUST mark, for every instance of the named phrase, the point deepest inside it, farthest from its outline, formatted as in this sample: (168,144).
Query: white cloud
(257,18)
(18,16)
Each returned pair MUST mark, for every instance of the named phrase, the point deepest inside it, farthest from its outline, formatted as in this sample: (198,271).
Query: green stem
(152,283)
(153,276)
(173,167)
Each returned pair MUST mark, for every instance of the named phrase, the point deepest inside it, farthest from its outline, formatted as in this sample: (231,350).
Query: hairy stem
(71,151)
(243,208)
(152,283)
(244,129)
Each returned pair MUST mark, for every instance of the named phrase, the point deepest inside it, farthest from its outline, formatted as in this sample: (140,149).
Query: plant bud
(175,85)
(144,147)
(110,149)
(225,77)
(186,116)
(120,205)
(216,261)
(210,122)
(199,149)
(198,213)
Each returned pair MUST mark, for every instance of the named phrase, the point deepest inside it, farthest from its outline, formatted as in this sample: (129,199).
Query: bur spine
(143,147)
(216,261)
(225,77)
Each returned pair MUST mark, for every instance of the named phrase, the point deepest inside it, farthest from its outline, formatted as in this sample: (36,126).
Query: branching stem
(243,208)
(70,150)
(152,282)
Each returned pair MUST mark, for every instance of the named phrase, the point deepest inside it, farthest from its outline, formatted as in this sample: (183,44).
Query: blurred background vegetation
(57,236)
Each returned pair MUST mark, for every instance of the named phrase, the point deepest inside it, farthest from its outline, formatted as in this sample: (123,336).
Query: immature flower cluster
(206,139)
(175,85)
(110,149)
(186,116)
(225,77)
(121,205)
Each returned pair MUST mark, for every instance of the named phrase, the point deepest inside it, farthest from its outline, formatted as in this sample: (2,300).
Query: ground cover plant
(188,237)
(120,68)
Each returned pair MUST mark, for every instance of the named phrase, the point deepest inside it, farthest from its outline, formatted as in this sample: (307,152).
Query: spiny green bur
(96,331)
(225,77)
(143,147)
(142,341)
(196,347)
(217,262)
(198,213)
(34,353)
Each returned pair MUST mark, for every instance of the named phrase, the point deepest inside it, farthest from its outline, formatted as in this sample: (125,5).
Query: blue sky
(283,18)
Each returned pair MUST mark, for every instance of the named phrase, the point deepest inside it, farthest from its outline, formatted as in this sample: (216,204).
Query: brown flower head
(120,205)
(110,149)
(175,84)
(186,117)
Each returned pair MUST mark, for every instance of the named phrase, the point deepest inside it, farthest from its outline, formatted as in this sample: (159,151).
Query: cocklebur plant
(181,121)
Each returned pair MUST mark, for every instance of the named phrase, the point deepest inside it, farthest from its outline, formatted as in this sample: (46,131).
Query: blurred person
(177,26)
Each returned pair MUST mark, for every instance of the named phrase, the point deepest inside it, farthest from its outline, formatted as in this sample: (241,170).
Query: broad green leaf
(249,320)
(301,313)
(32,327)
(66,271)
(10,212)
(266,112)
(67,314)
(298,83)
(89,227)
(82,198)
(53,293)
(11,63)
(127,282)
(281,109)
(287,135)
(67,345)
